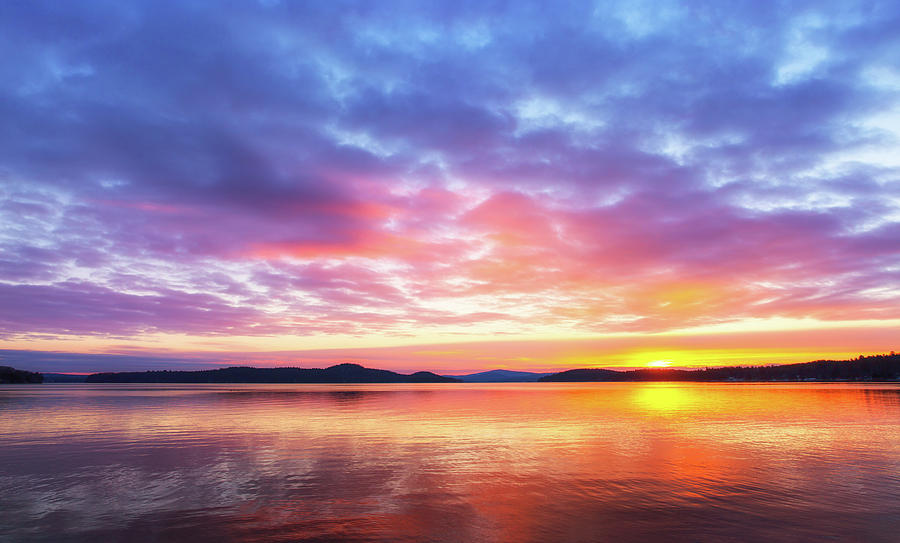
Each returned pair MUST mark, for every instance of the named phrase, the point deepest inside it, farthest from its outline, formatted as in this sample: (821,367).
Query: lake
(523,462)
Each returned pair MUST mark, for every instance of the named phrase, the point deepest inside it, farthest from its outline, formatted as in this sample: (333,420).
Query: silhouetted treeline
(12,376)
(342,373)
(865,368)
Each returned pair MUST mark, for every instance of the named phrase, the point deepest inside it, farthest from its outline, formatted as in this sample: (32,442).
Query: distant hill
(63,378)
(865,368)
(12,376)
(342,373)
(589,374)
(501,376)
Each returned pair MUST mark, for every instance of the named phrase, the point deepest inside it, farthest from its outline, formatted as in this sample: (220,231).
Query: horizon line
(620,369)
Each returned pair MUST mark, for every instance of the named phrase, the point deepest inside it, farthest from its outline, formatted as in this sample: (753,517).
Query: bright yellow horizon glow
(774,341)
(426,337)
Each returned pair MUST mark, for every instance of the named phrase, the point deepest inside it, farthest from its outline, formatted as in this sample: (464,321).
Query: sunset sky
(447,186)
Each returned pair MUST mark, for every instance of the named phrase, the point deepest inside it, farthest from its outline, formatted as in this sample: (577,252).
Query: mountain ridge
(340,373)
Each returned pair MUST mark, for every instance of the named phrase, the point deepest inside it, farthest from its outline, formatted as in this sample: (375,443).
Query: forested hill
(12,376)
(342,373)
(865,368)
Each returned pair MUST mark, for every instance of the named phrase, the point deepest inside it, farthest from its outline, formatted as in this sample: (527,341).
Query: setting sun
(454,272)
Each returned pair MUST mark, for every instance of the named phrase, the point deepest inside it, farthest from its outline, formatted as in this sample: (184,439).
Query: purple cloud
(320,168)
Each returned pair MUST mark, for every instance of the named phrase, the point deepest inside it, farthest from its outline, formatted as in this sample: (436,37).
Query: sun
(664,363)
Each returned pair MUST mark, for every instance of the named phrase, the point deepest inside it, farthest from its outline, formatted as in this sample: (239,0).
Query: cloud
(692,349)
(322,169)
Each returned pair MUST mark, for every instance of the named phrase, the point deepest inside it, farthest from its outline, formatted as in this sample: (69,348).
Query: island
(341,373)
(884,367)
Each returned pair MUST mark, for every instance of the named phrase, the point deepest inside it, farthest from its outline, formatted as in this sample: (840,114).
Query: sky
(448,186)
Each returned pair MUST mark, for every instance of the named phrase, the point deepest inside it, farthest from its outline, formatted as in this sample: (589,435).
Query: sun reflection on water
(530,462)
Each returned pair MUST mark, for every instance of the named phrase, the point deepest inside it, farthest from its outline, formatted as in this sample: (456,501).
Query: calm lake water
(520,462)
